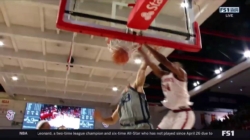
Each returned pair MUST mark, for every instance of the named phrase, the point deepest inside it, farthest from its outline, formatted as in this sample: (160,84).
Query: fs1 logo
(229,10)
(227,133)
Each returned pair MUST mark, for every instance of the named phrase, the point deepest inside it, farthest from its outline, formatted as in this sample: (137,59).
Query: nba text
(227,133)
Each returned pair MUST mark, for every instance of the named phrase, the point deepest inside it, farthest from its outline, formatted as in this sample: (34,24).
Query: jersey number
(125,98)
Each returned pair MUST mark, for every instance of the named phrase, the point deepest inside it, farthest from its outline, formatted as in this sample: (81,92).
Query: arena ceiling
(34,55)
(235,85)
(224,42)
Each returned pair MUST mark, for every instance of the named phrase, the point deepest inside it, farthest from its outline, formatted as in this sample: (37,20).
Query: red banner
(213,117)
(144,13)
(5,105)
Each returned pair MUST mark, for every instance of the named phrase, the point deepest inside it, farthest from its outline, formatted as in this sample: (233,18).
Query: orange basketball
(120,56)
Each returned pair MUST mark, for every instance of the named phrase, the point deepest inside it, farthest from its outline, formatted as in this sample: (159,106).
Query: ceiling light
(231,81)
(183,4)
(114,88)
(220,69)
(137,61)
(198,82)
(195,84)
(217,71)
(218,86)
(218,76)
(1,43)
(241,89)
(247,54)
(14,78)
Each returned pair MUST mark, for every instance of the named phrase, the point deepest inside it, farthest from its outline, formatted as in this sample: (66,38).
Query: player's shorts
(178,119)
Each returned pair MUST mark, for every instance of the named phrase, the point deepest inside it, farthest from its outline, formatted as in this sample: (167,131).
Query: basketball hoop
(121,49)
(129,47)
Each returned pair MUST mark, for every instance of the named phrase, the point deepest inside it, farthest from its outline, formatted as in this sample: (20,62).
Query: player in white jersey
(174,86)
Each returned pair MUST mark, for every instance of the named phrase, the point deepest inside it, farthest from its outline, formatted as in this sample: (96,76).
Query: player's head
(61,127)
(178,64)
(43,125)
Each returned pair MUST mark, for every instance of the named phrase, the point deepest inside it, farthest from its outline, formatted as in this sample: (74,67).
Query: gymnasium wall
(18,105)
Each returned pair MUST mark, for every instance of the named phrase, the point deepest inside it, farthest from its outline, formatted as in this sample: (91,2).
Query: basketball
(120,56)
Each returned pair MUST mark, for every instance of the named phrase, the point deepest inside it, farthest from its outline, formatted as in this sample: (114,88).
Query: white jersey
(175,92)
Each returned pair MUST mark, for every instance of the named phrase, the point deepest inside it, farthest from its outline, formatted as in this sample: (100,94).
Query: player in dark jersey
(132,111)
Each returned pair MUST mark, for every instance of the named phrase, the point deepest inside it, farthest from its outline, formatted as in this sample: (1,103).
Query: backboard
(173,26)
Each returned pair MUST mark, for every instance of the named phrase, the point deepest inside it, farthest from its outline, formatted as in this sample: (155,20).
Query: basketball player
(174,86)
(133,109)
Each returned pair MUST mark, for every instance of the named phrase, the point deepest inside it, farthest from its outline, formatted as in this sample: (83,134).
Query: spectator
(43,125)
(240,120)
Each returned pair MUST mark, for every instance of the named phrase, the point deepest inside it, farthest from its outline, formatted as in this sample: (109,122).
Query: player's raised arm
(140,78)
(156,70)
(177,70)
(110,120)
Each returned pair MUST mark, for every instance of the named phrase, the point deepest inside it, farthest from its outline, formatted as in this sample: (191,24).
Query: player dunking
(174,86)
(133,109)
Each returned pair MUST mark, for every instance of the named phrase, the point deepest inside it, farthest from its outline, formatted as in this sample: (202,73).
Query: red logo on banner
(5,101)
(144,12)
(10,115)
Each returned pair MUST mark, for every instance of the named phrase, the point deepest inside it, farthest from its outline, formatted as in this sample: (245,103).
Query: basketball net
(129,47)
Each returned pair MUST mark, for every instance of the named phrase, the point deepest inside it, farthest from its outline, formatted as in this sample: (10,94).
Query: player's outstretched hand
(157,48)
(97,116)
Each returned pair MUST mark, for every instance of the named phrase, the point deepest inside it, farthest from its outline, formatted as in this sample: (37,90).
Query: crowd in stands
(240,120)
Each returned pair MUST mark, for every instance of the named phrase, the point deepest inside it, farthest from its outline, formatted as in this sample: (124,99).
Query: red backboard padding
(144,13)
